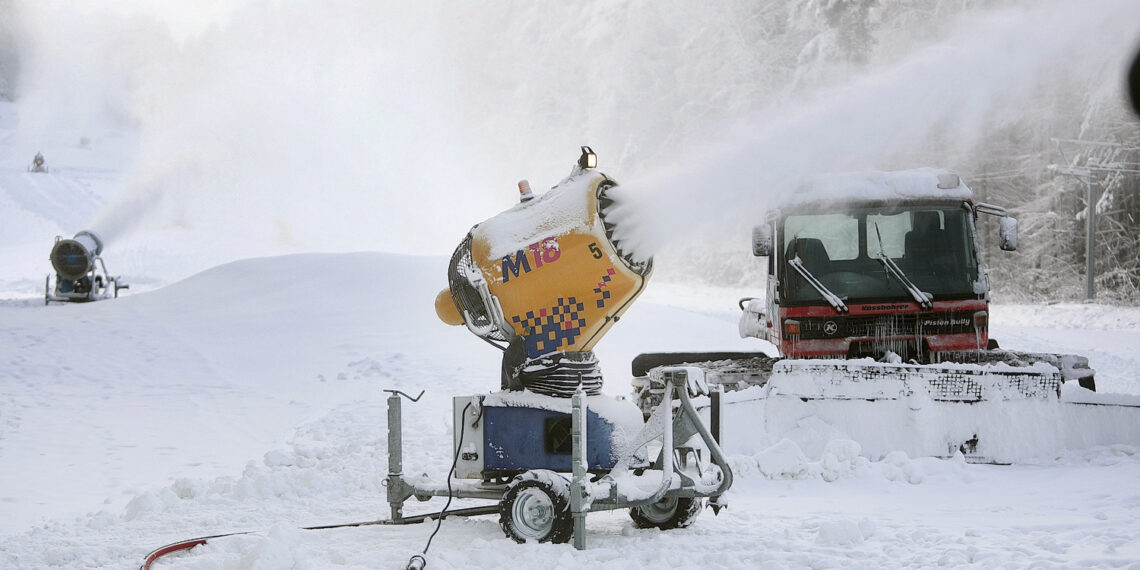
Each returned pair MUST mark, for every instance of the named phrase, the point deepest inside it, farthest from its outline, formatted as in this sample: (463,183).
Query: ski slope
(236,389)
(249,397)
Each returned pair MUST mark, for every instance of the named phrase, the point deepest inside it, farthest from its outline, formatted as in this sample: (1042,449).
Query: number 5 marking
(595,250)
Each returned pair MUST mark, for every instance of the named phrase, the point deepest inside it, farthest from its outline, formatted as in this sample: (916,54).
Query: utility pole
(1091,196)
(1101,159)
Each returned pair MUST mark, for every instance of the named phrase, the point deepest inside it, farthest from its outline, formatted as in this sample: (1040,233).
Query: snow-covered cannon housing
(80,274)
(73,258)
(544,281)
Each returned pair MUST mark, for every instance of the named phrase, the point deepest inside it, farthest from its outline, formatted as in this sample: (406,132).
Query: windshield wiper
(828,296)
(892,268)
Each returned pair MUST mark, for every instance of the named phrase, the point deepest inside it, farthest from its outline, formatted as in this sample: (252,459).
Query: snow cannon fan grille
(70,259)
(459,274)
(605,213)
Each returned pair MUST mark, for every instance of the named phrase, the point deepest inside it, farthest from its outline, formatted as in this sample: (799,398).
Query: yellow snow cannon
(544,280)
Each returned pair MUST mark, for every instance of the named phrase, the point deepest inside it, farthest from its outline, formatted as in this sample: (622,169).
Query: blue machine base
(520,439)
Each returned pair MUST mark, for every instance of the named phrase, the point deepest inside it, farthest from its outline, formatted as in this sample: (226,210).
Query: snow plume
(268,126)
(344,125)
(299,127)
(919,110)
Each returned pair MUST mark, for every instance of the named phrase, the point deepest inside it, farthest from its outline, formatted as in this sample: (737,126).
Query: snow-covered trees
(758,92)
(8,60)
(1007,149)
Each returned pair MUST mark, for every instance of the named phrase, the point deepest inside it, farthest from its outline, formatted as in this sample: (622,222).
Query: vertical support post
(714,414)
(395,458)
(578,469)
(674,383)
(1090,241)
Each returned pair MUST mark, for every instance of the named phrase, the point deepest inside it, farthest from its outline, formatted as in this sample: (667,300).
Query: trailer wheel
(536,508)
(668,513)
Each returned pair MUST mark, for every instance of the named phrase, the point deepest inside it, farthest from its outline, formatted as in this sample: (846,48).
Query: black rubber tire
(536,508)
(668,513)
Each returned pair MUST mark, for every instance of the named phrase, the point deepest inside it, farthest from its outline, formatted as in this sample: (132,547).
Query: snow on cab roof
(877,185)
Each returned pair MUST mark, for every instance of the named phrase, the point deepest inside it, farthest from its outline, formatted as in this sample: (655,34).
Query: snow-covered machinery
(543,281)
(38,163)
(875,292)
(80,274)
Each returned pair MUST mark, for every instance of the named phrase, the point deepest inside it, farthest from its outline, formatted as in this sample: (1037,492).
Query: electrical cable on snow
(417,561)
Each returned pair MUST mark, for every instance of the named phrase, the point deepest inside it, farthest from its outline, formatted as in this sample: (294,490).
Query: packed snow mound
(1063,315)
(241,354)
(44,204)
(780,427)
(841,459)
(249,397)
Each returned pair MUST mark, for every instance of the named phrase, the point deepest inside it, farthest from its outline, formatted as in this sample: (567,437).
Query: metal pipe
(395,458)
(664,413)
(714,414)
(718,457)
(1090,240)
(578,469)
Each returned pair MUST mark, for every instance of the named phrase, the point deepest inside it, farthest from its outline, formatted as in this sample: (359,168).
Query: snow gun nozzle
(73,258)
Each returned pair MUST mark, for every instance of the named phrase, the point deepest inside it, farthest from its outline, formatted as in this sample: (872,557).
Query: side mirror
(1007,234)
(762,240)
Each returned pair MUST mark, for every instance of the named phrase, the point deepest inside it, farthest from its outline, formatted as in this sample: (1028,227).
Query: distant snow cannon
(38,163)
(80,274)
(545,280)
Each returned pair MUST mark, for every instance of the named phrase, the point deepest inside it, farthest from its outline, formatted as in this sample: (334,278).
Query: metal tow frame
(678,426)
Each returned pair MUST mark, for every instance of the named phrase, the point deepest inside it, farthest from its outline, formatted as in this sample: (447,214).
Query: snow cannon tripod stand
(550,505)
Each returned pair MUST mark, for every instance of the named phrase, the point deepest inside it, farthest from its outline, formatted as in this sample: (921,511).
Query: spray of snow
(275,128)
(940,99)
(265,127)
(269,127)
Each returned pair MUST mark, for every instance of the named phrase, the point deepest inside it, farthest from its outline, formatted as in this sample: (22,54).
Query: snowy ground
(218,404)
(249,397)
